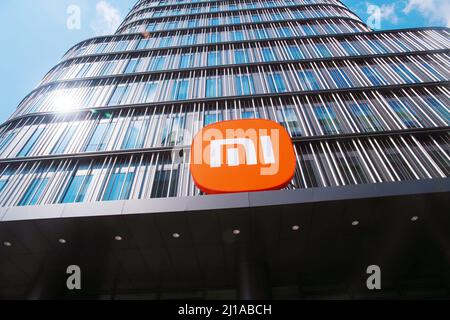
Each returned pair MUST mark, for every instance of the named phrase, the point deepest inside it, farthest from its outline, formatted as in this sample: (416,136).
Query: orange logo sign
(242,156)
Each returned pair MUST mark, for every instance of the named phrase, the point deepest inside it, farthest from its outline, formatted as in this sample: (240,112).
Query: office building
(94,163)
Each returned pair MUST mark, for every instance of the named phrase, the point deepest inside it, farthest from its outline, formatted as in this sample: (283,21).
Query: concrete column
(254,280)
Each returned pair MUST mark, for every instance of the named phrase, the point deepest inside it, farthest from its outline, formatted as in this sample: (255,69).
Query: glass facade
(114,119)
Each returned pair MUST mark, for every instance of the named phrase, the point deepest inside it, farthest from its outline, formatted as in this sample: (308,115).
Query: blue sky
(35,35)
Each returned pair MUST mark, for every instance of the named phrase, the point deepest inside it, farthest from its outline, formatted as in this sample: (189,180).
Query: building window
(366,117)
(119,186)
(240,56)
(399,164)
(166,41)
(357,166)
(405,74)
(310,171)
(157,64)
(132,66)
(165,183)
(171,25)
(151,27)
(340,78)
(308,80)
(214,22)
(256,18)
(149,94)
(6,139)
(430,69)
(247,115)
(134,137)
(375,45)
(101,47)
(213,37)
(323,50)
(298,14)
(34,192)
(30,143)
(244,85)
(296,54)
(83,71)
(261,34)
(436,106)
(77,188)
(329,29)
(214,58)
(289,119)
(275,82)
(348,48)
(235,19)
(2,185)
(404,112)
(108,68)
(371,75)
(121,46)
(327,119)
(100,138)
(268,55)
(238,35)
(180,89)
(142,44)
(65,139)
(212,117)
(188,39)
(213,87)
(119,95)
(185,61)
(192,23)
(277,16)
(309,31)
(173,131)
(286,32)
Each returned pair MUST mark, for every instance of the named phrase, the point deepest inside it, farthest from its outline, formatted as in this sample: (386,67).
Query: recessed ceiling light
(236,232)
(7,244)
(118,238)
(355,223)
(295,227)
(62,241)
(176,235)
(414,218)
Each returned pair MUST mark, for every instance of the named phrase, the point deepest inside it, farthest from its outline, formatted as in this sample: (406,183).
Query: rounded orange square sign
(242,156)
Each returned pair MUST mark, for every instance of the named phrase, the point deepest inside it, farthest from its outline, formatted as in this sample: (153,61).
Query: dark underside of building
(403,227)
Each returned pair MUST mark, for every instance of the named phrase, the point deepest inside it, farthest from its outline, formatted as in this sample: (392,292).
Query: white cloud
(378,14)
(436,11)
(107,20)
(388,13)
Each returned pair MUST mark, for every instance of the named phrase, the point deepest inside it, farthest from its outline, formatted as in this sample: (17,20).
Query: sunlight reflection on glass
(63,102)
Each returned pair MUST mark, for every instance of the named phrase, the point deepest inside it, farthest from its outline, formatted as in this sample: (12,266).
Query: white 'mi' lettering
(233,153)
